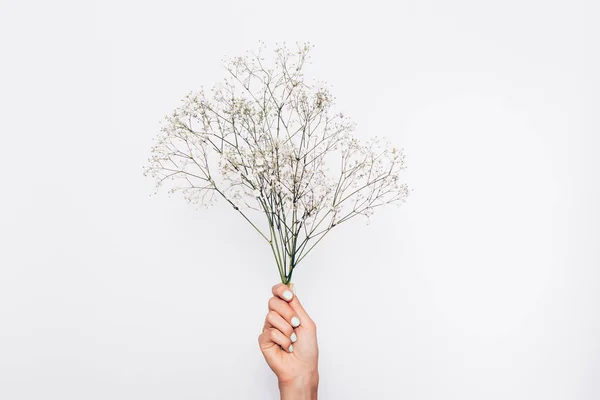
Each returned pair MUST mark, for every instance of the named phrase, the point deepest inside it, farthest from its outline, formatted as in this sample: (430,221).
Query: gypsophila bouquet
(270,145)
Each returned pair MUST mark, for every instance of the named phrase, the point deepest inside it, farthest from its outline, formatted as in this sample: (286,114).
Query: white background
(484,285)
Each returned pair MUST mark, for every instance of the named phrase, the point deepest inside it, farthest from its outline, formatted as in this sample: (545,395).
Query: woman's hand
(289,343)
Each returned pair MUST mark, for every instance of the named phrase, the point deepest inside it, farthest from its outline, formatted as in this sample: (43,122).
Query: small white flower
(256,193)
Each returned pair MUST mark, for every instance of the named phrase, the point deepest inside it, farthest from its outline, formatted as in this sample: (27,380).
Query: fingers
(274,320)
(286,293)
(285,314)
(283,292)
(283,308)
(272,336)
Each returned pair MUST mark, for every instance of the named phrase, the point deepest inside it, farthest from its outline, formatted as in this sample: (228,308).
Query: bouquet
(270,145)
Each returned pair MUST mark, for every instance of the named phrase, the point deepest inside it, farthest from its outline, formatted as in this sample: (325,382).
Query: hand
(289,344)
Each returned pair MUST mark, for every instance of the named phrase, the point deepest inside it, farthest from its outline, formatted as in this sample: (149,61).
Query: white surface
(484,285)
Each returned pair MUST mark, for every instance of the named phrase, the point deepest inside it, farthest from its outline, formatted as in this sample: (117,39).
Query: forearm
(300,389)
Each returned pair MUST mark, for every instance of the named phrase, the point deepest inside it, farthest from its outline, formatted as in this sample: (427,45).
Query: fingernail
(287,295)
(291,349)
(295,322)
(293,338)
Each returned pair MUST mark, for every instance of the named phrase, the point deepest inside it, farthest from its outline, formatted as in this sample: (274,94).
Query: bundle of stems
(269,144)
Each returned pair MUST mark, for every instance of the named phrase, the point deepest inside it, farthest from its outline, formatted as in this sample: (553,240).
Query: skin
(297,368)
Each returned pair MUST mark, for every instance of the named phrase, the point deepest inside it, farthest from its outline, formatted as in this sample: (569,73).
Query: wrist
(300,388)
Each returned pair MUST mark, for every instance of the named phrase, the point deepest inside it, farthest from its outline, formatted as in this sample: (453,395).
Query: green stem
(288,278)
(281,274)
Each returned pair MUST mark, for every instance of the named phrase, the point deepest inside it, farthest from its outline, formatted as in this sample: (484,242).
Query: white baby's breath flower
(282,144)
